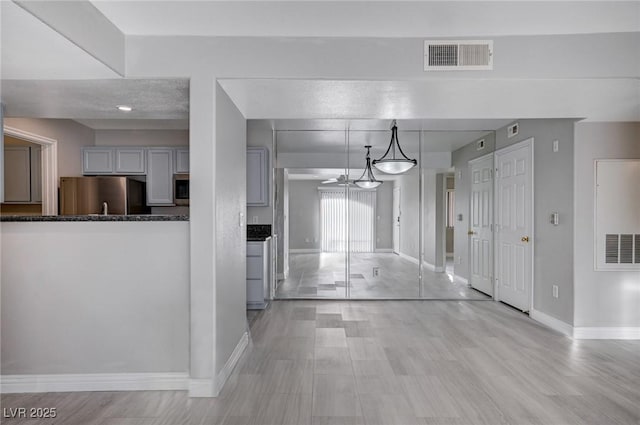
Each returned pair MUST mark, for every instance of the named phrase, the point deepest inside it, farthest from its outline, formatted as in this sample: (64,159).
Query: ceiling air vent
(451,55)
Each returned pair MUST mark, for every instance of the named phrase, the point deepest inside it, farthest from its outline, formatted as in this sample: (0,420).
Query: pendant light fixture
(370,182)
(390,163)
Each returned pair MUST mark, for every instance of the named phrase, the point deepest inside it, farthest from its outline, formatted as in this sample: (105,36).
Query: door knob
(525,239)
(471,232)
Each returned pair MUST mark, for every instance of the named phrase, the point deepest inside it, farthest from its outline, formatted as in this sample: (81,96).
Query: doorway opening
(46,159)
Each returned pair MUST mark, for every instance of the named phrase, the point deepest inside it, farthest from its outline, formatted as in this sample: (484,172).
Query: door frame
(470,163)
(530,144)
(49,170)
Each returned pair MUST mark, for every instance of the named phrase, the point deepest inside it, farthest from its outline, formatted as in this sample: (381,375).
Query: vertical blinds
(348,224)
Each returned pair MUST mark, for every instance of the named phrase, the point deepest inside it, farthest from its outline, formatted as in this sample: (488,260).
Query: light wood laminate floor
(390,362)
(322,275)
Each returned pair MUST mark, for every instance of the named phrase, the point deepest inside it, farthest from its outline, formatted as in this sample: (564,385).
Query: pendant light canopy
(370,182)
(390,163)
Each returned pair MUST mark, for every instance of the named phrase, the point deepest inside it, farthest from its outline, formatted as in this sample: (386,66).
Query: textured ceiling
(96,99)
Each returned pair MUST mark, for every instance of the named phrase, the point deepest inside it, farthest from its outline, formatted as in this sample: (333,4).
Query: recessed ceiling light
(125,108)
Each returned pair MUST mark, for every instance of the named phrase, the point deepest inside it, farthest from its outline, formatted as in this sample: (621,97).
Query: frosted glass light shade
(366,184)
(394,166)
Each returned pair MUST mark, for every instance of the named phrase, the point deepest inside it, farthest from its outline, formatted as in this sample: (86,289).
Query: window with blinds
(348,225)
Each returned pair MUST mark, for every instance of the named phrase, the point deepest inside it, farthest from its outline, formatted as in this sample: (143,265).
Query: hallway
(394,362)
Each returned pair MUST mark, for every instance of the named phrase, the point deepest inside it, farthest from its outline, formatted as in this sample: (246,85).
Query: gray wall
(70,135)
(93,297)
(553,191)
(602,298)
(409,212)
(304,215)
(230,202)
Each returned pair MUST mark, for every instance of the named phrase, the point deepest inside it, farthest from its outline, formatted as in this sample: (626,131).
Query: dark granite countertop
(148,217)
(258,232)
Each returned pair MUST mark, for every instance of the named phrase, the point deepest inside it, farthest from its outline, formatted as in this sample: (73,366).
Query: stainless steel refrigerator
(90,195)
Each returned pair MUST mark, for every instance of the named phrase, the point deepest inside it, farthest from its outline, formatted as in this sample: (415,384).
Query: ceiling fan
(341,180)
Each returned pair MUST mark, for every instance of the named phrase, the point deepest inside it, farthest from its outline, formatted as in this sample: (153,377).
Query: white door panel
(514,224)
(480,226)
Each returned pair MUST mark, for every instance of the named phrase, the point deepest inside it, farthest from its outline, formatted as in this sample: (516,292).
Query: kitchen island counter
(85,218)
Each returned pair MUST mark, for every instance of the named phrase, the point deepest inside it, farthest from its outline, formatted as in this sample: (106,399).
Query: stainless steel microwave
(181,189)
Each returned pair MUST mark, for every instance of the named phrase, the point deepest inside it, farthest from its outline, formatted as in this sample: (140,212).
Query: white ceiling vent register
(617,220)
(454,55)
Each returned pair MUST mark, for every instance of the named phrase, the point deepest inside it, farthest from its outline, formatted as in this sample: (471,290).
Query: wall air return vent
(454,55)
(617,220)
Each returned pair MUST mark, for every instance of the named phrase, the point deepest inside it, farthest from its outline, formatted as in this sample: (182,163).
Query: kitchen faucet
(105,208)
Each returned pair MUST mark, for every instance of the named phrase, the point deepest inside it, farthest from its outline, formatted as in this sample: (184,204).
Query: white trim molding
(408,258)
(201,388)
(606,332)
(93,382)
(433,268)
(551,322)
(304,251)
(226,370)
(460,279)
(384,250)
(49,166)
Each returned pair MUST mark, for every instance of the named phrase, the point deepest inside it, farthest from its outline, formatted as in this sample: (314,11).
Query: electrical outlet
(555,291)
(376,271)
(555,145)
(458,260)
(306,240)
(254,219)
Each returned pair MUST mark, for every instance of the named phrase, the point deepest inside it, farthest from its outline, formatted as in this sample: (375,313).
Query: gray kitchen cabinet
(97,160)
(17,174)
(130,161)
(257,177)
(160,176)
(258,274)
(182,161)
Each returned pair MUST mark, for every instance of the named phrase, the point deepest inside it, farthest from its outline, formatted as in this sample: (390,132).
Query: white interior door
(514,224)
(396,220)
(481,224)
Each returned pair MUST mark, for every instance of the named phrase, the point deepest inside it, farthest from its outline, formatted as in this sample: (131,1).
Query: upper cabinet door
(130,161)
(257,177)
(160,176)
(17,174)
(182,161)
(97,161)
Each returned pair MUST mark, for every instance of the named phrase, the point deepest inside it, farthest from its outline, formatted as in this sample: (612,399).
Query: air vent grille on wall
(452,55)
(622,249)
(617,223)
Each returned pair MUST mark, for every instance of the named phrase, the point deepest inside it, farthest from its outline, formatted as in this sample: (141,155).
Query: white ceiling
(321,174)
(97,99)
(377,19)
(31,49)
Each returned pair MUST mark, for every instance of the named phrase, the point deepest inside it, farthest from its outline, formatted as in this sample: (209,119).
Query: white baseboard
(383,250)
(552,322)
(225,372)
(280,276)
(408,258)
(460,279)
(606,333)
(93,382)
(202,388)
(433,268)
(304,251)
